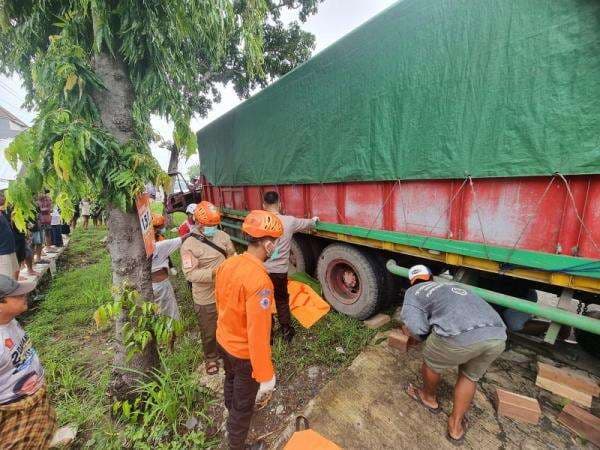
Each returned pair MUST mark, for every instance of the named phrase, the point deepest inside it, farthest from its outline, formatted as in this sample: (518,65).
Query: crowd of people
(234,295)
(22,249)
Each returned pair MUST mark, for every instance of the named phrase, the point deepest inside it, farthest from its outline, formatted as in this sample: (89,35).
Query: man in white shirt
(278,264)
(26,418)
(164,295)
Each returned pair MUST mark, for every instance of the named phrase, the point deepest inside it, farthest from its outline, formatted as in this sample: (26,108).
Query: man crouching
(461,329)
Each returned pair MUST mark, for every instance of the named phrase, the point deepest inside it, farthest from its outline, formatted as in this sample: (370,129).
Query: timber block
(377,321)
(398,340)
(518,407)
(569,377)
(567,383)
(581,423)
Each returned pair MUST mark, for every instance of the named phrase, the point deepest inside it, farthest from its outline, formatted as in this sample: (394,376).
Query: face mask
(210,231)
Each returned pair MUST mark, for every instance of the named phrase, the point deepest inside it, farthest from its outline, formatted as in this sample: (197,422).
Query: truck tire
(349,280)
(301,257)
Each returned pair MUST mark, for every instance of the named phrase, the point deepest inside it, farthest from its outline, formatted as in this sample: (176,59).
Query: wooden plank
(518,407)
(377,321)
(570,378)
(398,340)
(581,422)
(565,391)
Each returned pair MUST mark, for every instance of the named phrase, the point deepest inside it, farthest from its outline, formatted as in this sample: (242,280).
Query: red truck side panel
(534,213)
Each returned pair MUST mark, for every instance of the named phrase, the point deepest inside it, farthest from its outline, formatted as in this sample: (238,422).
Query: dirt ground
(366,406)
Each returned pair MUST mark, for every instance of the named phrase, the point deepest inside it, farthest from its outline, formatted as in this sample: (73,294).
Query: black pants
(282,297)
(240,394)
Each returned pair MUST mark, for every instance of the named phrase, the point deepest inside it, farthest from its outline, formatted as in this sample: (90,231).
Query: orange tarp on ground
(309,439)
(305,304)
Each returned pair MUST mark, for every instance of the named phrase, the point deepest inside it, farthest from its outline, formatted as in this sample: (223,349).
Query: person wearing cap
(188,224)
(200,258)
(278,265)
(27,420)
(164,295)
(244,295)
(460,329)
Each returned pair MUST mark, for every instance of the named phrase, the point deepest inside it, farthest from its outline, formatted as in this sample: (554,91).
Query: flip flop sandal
(212,368)
(461,440)
(416,397)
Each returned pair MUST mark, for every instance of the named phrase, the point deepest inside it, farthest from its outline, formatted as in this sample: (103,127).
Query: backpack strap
(211,244)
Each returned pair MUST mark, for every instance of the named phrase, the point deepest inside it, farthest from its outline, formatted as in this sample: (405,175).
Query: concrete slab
(51,257)
(365,406)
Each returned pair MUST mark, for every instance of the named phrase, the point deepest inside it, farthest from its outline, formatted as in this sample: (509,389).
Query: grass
(77,357)
(178,217)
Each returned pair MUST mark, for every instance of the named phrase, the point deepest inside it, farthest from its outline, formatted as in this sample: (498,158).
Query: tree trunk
(125,243)
(173,165)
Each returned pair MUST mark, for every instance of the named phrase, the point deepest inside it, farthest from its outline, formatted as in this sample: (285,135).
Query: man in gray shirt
(460,329)
(277,265)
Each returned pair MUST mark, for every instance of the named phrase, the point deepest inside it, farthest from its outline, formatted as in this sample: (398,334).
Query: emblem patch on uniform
(8,343)
(187,260)
(265,302)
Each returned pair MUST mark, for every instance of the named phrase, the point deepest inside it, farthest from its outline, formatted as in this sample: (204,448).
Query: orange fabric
(157,220)
(310,439)
(244,295)
(259,223)
(306,305)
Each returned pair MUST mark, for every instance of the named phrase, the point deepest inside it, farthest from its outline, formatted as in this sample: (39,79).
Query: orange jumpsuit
(244,295)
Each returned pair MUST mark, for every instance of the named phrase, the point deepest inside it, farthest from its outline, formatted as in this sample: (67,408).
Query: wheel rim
(343,280)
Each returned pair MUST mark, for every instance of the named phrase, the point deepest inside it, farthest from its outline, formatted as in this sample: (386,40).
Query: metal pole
(554,314)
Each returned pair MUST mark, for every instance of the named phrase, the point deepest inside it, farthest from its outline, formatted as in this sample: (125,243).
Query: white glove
(265,391)
(173,271)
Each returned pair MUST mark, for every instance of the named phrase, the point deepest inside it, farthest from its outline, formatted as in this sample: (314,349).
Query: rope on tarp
(583,225)
(476,204)
(531,217)
(444,213)
(385,202)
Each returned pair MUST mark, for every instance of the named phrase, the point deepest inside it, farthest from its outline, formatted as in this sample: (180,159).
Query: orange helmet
(260,224)
(158,221)
(207,214)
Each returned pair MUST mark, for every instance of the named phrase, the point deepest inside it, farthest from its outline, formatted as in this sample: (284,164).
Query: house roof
(12,117)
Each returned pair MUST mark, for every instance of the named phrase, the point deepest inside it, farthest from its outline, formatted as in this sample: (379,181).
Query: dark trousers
(282,297)
(240,394)
(207,318)
(56,232)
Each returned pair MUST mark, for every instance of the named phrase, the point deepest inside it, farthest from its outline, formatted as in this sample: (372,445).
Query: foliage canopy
(175,53)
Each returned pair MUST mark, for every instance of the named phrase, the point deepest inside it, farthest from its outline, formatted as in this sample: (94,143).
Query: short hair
(271,198)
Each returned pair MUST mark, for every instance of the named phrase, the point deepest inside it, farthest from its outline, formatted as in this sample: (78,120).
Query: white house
(10,126)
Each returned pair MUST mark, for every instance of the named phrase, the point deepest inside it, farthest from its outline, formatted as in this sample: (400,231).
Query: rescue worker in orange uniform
(200,257)
(244,294)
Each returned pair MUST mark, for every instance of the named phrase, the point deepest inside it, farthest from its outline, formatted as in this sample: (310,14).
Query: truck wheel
(349,280)
(301,257)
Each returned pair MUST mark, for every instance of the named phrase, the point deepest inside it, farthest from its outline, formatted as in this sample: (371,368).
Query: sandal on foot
(461,440)
(416,397)
(212,368)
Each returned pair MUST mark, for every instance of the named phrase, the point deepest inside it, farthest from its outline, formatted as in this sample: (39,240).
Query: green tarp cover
(427,89)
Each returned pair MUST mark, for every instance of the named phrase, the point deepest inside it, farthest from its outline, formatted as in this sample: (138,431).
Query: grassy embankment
(77,357)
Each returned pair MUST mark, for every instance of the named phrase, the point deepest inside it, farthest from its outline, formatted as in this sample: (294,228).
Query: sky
(334,19)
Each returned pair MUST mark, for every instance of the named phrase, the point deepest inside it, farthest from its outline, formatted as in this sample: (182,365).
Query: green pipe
(231,225)
(238,240)
(554,314)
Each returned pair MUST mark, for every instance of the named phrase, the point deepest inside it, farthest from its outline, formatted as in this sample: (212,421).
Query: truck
(460,134)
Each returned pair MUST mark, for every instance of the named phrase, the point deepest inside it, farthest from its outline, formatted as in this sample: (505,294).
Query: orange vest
(244,295)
